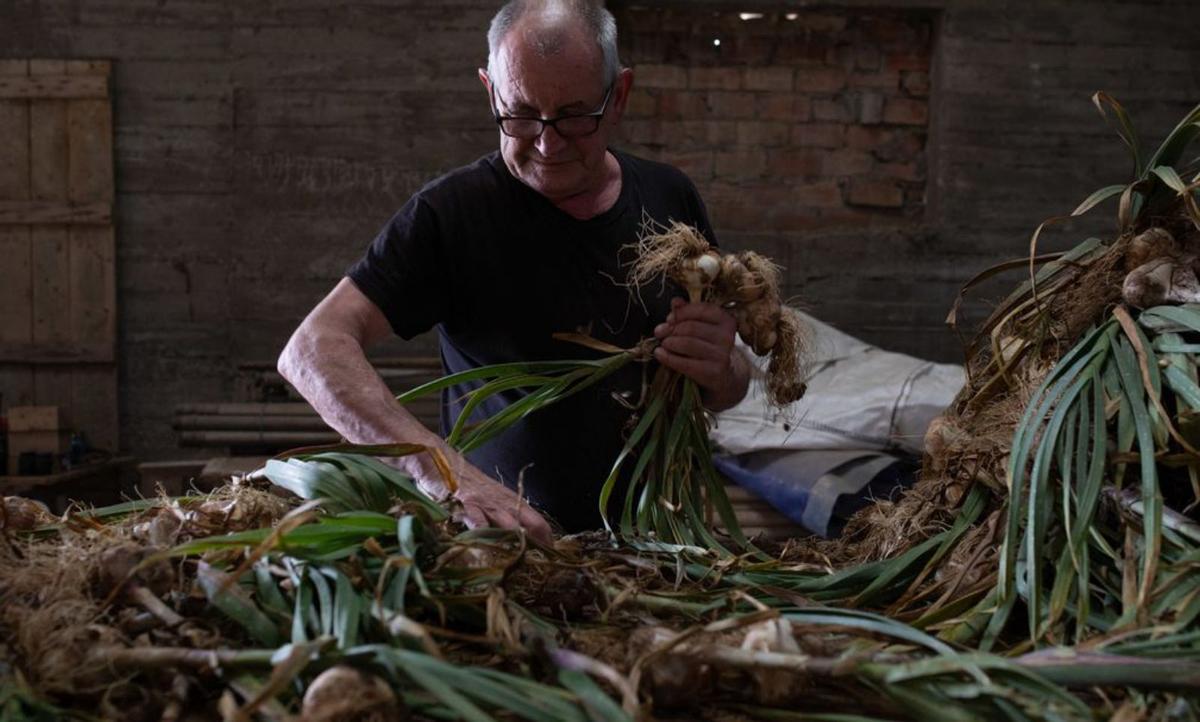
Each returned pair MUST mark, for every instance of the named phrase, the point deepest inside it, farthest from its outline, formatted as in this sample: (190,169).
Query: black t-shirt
(497,269)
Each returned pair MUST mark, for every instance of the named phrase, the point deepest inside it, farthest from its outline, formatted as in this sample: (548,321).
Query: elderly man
(502,253)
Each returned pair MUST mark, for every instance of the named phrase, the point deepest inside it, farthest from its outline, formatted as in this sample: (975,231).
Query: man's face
(530,84)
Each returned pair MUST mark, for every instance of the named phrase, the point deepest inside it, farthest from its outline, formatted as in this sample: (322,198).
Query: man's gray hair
(596,19)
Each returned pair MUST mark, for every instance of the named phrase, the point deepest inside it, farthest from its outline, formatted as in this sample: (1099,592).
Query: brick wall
(261,144)
(807,132)
(789,122)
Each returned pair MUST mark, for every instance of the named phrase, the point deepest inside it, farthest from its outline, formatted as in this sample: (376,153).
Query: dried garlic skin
(21,514)
(345,693)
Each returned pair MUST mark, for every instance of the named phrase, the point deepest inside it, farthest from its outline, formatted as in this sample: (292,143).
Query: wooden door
(57,261)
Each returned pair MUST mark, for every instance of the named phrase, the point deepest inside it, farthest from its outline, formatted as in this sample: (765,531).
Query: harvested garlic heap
(746,284)
(1161,270)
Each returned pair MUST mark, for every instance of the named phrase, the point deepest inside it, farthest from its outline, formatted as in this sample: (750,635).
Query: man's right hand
(487,502)
(325,361)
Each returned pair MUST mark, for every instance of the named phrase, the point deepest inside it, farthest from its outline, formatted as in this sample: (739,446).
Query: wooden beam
(53,86)
(33,213)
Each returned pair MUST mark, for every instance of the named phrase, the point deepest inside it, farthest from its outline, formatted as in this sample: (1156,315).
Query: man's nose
(550,142)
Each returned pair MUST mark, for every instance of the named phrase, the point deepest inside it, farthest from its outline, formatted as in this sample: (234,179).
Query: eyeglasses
(568,126)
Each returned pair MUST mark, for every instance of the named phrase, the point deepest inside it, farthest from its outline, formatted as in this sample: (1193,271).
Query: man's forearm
(332,373)
(326,362)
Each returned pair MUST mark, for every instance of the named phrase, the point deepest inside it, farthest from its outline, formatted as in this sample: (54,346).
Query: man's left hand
(697,341)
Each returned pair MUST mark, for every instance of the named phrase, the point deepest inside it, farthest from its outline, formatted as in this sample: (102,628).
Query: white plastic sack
(859,397)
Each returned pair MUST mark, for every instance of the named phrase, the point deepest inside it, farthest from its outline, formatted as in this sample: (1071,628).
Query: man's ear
(624,84)
(483,78)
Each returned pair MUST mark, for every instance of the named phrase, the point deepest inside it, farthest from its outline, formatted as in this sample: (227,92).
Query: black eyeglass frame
(597,116)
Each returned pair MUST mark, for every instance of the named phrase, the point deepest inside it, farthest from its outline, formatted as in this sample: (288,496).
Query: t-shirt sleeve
(404,271)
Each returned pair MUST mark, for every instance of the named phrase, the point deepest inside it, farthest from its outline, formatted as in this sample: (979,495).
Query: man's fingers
(477,516)
(707,312)
(472,516)
(697,341)
(703,320)
(695,347)
(534,524)
(537,527)
(501,519)
(703,372)
(711,332)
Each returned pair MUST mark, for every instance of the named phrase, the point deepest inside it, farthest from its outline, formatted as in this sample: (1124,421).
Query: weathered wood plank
(14,137)
(36,418)
(92,273)
(89,133)
(51,248)
(16,291)
(93,288)
(54,86)
(51,279)
(31,213)
(47,67)
(48,150)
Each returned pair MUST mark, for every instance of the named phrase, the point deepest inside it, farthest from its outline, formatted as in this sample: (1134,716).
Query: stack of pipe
(284,424)
(291,422)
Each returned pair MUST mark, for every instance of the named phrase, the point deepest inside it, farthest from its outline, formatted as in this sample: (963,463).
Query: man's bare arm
(326,362)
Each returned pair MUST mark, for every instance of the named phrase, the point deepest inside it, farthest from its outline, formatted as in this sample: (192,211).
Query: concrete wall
(261,144)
